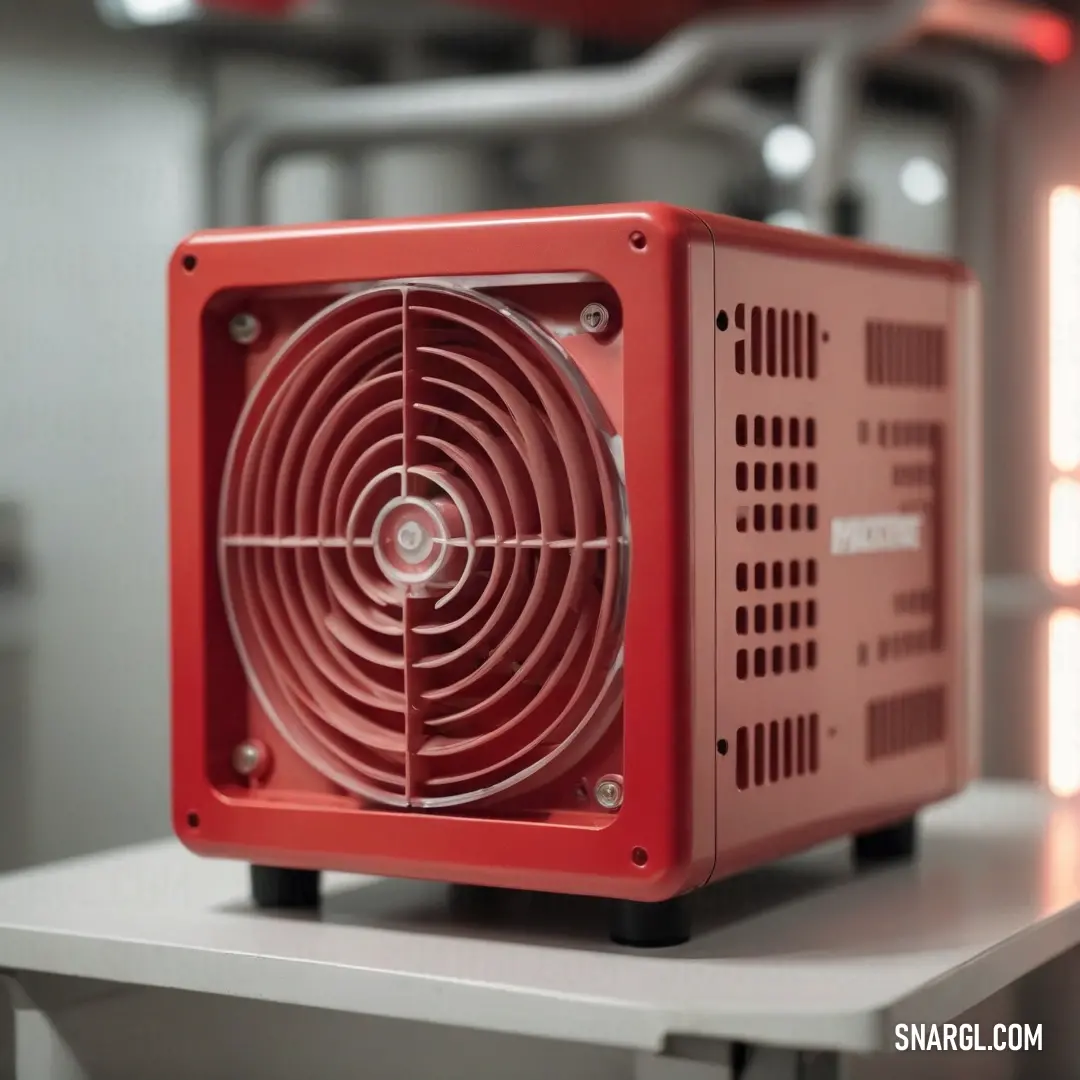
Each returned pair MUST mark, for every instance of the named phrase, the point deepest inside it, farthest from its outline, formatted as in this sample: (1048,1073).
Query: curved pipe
(830,94)
(830,91)
(723,113)
(535,102)
(1018,596)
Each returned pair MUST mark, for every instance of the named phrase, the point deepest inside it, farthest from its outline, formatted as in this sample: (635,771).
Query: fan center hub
(411,539)
(413,542)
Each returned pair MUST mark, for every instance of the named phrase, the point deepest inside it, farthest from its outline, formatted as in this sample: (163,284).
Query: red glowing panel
(1049,37)
(631,20)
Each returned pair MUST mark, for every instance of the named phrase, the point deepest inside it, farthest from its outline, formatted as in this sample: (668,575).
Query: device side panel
(966,505)
(702,548)
(836,455)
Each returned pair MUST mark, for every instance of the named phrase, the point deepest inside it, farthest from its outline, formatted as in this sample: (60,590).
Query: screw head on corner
(244,328)
(251,759)
(595,318)
(609,792)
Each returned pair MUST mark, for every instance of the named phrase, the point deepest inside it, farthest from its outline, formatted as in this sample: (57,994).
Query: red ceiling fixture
(264,8)
(1049,37)
(631,20)
(1000,25)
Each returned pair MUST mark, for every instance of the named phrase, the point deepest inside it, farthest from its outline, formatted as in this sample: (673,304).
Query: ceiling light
(789,219)
(148,12)
(788,151)
(924,181)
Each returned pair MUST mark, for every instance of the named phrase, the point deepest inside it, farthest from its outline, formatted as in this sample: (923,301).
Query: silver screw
(410,536)
(594,318)
(244,328)
(609,792)
(249,758)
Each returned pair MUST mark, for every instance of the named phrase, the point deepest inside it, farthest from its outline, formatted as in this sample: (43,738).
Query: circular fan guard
(423,549)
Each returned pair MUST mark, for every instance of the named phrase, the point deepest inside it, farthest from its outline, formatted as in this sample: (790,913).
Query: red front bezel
(642,251)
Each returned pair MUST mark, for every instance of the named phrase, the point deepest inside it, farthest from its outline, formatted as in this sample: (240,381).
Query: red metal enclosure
(636,20)
(640,20)
(1011,28)
(473,515)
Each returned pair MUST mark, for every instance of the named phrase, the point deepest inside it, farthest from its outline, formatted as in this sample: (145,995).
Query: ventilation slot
(780,750)
(779,493)
(771,615)
(906,722)
(914,602)
(913,455)
(901,354)
(905,434)
(906,644)
(780,343)
(776,477)
(913,474)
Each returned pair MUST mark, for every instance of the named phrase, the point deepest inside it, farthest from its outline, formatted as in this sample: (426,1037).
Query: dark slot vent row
(902,354)
(918,506)
(781,343)
(779,750)
(914,602)
(776,477)
(759,663)
(779,575)
(761,518)
(775,431)
(896,725)
(913,474)
(906,644)
(776,618)
(904,433)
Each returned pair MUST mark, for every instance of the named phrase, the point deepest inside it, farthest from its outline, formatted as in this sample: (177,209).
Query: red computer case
(605,550)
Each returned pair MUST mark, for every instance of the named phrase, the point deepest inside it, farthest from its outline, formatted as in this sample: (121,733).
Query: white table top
(802,953)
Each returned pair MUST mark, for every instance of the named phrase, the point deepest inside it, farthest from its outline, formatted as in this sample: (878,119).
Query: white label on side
(876,535)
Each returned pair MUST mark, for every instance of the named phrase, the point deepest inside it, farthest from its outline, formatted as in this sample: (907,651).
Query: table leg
(700,1059)
(41,1052)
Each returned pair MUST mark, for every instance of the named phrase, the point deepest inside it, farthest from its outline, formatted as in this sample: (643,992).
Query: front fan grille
(423,549)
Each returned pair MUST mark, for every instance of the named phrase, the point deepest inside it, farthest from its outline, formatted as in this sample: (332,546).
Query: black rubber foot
(274,887)
(894,843)
(475,899)
(651,926)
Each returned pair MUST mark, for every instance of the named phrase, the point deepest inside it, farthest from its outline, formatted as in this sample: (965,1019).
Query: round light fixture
(789,219)
(148,12)
(788,151)
(924,181)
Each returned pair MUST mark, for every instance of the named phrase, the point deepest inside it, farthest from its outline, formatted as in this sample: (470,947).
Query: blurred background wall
(97,145)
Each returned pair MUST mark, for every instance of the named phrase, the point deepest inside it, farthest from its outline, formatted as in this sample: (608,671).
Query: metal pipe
(533,102)
(441,176)
(830,94)
(1027,597)
(724,112)
(829,103)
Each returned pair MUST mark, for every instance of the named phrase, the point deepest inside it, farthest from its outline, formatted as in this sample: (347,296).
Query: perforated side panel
(904,722)
(905,354)
(780,750)
(780,343)
(910,452)
(776,352)
(800,471)
(778,466)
